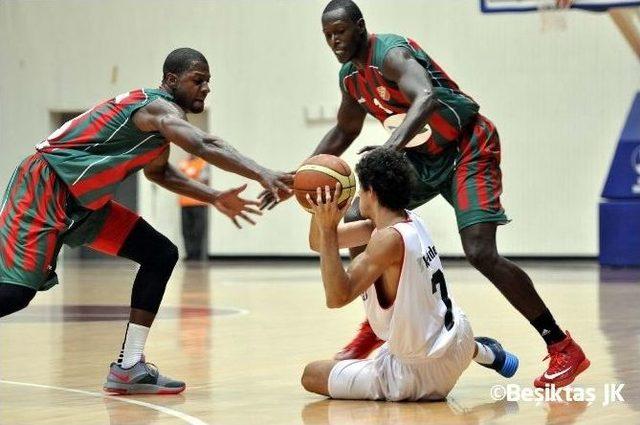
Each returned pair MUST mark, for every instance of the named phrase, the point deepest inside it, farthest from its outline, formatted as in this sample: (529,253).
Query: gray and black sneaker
(141,378)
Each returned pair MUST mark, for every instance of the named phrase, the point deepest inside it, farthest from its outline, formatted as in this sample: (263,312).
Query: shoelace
(558,360)
(152,369)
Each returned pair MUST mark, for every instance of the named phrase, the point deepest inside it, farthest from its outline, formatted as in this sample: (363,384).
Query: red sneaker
(566,362)
(362,345)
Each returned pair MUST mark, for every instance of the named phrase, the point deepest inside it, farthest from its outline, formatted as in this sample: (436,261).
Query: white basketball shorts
(386,377)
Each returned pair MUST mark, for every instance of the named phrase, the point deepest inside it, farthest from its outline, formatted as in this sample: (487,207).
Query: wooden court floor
(240,334)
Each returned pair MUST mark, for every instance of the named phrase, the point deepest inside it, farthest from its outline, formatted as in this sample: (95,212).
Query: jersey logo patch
(383,92)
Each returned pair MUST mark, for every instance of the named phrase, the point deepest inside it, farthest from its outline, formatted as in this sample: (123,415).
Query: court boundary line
(162,409)
(266,259)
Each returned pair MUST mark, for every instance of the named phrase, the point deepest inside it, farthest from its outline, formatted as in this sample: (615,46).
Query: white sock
(134,340)
(485,355)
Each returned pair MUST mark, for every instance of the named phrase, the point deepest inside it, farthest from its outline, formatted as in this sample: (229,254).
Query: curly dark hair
(389,174)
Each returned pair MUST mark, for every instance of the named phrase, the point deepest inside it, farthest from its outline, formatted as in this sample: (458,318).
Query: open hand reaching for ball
(229,203)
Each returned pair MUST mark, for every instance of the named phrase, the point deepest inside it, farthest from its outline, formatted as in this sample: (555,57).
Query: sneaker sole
(130,389)
(564,382)
(510,366)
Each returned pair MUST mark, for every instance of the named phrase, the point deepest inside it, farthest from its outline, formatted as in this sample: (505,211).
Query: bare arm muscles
(399,66)
(350,120)
(170,121)
(228,202)
(350,235)
(384,250)
(160,171)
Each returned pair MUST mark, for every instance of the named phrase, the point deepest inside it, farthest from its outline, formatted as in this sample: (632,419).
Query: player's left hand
(233,206)
(563,4)
(268,199)
(326,211)
(276,182)
(368,149)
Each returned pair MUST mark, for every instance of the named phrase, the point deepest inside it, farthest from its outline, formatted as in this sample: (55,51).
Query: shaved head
(352,9)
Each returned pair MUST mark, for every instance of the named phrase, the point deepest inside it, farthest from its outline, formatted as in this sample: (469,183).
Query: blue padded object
(620,208)
(623,181)
(620,233)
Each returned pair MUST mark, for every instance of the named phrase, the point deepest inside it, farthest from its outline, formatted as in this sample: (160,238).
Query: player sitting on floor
(428,339)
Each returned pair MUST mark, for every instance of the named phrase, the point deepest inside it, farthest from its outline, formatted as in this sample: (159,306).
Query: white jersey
(429,341)
(421,323)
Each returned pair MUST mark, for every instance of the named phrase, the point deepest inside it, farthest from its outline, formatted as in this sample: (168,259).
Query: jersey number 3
(437,278)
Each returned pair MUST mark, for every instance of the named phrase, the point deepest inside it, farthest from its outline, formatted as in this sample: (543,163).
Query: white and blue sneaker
(505,363)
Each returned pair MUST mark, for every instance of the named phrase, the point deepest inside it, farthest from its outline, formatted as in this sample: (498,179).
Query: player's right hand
(325,209)
(233,206)
(276,183)
(269,199)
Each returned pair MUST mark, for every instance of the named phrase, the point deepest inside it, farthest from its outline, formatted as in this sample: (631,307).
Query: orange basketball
(320,171)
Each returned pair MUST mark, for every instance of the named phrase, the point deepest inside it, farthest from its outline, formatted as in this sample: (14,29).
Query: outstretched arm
(350,120)
(170,121)
(161,172)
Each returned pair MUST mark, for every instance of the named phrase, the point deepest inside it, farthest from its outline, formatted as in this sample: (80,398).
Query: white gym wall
(559,99)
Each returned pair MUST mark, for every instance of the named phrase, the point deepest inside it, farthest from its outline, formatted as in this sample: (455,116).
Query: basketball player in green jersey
(455,152)
(64,194)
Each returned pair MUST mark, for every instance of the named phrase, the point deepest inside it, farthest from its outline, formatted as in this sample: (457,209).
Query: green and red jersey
(95,151)
(382,98)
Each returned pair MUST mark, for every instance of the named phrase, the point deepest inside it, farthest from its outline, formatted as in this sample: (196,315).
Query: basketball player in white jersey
(428,340)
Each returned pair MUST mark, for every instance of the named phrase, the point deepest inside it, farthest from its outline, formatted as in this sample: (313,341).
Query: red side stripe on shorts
(461,174)
(117,226)
(61,223)
(38,222)
(14,189)
(483,162)
(496,176)
(28,199)
(463,197)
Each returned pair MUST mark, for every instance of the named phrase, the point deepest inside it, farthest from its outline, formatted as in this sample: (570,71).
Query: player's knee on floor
(315,377)
(14,298)
(309,379)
